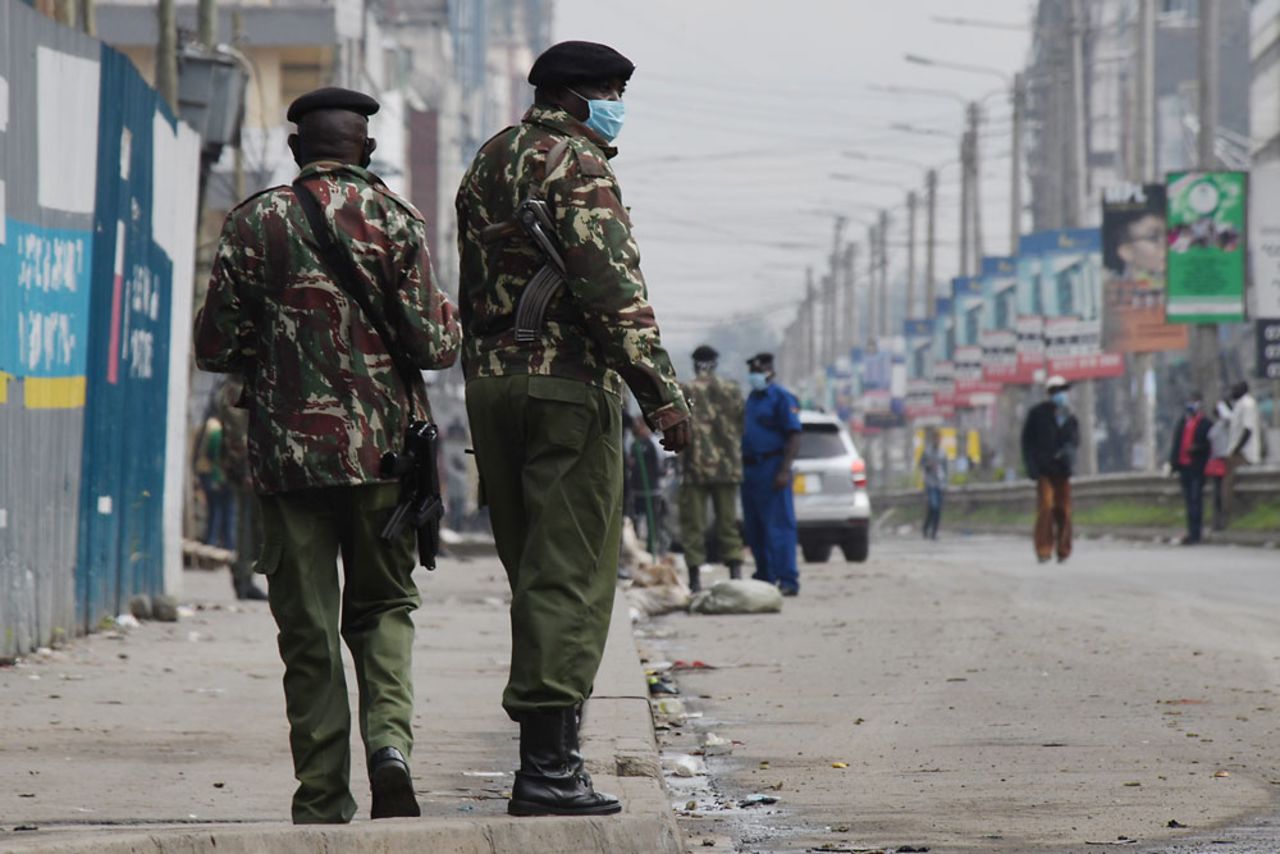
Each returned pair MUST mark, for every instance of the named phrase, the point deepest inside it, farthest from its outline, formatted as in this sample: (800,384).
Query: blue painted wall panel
(123,481)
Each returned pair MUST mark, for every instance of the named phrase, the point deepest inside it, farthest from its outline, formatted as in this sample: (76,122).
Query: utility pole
(1077,199)
(873,279)
(833,279)
(975,187)
(850,262)
(811,327)
(931,221)
(911,254)
(965,175)
(883,232)
(207,23)
(1204,349)
(1019,97)
(237,35)
(167,54)
(1143,170)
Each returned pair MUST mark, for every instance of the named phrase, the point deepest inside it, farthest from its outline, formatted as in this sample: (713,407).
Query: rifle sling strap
(342,267)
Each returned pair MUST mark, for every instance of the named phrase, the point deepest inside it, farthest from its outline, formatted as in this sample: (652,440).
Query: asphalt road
(984,702)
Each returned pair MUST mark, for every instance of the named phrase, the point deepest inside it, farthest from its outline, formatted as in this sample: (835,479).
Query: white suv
(830,485)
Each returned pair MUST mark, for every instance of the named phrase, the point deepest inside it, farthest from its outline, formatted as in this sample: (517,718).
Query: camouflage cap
(332,98)
(576,62)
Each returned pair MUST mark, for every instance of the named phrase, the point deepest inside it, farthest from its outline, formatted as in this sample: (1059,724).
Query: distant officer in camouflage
(235,464)
(324,402)
(712,467)
(546,416)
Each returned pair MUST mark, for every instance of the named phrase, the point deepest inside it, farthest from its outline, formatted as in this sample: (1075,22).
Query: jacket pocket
(559,413)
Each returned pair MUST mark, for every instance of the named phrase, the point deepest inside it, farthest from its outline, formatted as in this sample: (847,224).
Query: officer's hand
(677,437)
(782,480)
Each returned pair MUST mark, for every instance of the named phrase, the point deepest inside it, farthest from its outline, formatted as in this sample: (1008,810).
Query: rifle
(534,217)
(421,506)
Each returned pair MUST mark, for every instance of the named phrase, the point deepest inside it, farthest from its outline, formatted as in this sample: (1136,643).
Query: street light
(1016,88)
(916,129)
(977,22)
(916,58)
(884,158)
(858,179)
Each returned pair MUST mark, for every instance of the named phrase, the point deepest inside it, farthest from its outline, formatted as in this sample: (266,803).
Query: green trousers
(693,521)
(303,534)
(549,451)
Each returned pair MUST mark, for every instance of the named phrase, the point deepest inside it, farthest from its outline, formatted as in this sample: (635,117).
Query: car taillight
(859,473)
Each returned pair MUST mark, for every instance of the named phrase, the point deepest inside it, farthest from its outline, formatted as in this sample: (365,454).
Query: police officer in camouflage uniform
(325,401)
(546,415)
(712,467)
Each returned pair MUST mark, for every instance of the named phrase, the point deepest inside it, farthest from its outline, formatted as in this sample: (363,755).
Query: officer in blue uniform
(770,440)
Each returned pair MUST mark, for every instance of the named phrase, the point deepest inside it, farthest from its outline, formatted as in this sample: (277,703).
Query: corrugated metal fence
(97,215)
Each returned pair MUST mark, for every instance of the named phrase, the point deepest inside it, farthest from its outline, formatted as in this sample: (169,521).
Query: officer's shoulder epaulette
(579,155)
(259,194)
(396,199)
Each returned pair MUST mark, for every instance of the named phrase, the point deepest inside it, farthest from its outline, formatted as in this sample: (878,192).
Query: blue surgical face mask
(1059,398)
(604,117)
(758,381)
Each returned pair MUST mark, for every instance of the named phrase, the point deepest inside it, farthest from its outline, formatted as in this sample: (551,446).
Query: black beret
(760,360)
(705,353)
(578,62)
(332,98)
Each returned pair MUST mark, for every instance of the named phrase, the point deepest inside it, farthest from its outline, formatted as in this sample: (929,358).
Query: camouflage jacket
(323,395)
(600,328)
(715,456)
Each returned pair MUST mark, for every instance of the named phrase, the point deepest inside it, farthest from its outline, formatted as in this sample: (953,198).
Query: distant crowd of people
(1208,445)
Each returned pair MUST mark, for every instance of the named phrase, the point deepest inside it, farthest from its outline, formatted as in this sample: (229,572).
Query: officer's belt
(750,460)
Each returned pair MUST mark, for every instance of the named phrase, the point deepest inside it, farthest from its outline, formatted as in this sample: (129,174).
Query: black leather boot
(695,579)
(392,785)
(551,780)
(572,727)
(735,570)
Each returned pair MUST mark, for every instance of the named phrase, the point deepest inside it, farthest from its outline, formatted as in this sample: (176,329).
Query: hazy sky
(741,111)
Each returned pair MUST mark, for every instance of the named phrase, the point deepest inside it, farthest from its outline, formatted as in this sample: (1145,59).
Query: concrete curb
(1248,539)
(622,755)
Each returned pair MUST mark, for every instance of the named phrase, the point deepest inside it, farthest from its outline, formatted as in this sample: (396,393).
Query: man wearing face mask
(770,442)
(712,470)
(1188,456)
(1050,438)
(332,362)
(544,395)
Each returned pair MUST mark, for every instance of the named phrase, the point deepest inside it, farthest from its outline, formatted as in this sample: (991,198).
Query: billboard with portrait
(1134,261)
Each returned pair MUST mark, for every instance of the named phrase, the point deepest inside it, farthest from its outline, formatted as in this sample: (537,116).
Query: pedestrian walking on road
(1050,438)
(1188,456)
(933,469)
(1245,443)
(333,366)
(770,442)
(712,468)
(544,394)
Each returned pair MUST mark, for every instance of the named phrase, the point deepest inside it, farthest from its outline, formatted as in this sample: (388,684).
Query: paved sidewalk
(172,737)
